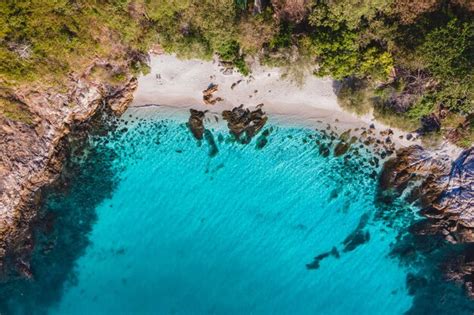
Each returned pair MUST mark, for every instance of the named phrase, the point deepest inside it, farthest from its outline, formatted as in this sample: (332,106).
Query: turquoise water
(152,223)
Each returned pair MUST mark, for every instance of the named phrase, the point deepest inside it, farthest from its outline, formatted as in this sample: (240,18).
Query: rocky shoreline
(32,154)
(444,190)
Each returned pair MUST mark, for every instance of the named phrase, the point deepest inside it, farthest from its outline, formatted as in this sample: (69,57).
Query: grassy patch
(16,111)
(393,119)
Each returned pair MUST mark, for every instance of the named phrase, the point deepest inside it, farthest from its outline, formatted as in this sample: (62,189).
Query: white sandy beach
(175,82)
(179,83)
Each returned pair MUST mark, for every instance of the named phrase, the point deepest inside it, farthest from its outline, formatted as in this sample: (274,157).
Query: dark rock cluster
(356,238)
(315,264)
(208,97)
(199,131)
(243,123)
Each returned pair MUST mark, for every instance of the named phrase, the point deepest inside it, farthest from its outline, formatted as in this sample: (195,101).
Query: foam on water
(183,232)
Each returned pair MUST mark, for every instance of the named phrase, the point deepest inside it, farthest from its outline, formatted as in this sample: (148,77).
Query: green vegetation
(45,40)
(15,111)
(411,58)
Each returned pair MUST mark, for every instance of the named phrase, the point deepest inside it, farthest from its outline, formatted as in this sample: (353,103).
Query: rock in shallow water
(243,123)
(341,148)
(196,123)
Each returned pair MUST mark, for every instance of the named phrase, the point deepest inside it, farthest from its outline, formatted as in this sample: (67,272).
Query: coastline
(174,82)
(33,155)
(441,172)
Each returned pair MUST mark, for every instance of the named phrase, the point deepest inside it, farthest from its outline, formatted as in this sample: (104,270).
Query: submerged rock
(196,123)
(341,148)
(262,140)
(461,269)
(324,150)
(243,123)
(213,149)
(359,236)
(315,263)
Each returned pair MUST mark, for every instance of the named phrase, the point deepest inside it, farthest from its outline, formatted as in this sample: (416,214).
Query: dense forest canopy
(408,58)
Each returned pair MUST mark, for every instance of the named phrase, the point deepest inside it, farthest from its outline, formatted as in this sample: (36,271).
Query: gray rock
(446,194)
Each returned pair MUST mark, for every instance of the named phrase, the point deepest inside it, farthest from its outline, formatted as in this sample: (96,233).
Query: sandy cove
(180,83)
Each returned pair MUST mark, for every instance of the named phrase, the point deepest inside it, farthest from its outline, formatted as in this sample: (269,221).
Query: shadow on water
(66,216)
(428,258)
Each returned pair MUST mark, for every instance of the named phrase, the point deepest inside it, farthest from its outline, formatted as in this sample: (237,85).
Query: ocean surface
(147,220)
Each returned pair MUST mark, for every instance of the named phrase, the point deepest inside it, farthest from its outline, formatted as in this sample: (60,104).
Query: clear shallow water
(158,226)
(233,233)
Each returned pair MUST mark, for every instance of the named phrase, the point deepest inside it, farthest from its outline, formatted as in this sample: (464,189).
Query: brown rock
(207,95)
(243,123)
(196,123)
(31,155)
(446,192)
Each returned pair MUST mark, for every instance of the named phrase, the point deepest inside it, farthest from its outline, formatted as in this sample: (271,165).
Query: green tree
(448,51)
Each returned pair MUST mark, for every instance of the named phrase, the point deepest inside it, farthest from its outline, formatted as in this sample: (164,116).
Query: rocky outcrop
(453,209)
(243,123)
(30,154)
(445,191)
(196,123)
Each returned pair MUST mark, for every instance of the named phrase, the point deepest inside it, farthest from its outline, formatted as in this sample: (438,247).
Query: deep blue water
(150,221)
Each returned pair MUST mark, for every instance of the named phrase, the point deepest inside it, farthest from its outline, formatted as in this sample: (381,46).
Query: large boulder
(444,190)
(196,124)
(244,123)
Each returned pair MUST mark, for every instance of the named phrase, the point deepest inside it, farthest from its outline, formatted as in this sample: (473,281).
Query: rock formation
(453,208)
(243,123)
(30,155)
(445,190)
(196,124)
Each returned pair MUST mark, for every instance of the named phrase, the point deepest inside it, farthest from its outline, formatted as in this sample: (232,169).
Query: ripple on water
(150,220)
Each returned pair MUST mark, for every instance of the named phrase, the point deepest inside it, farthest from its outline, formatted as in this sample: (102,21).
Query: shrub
(448,51)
